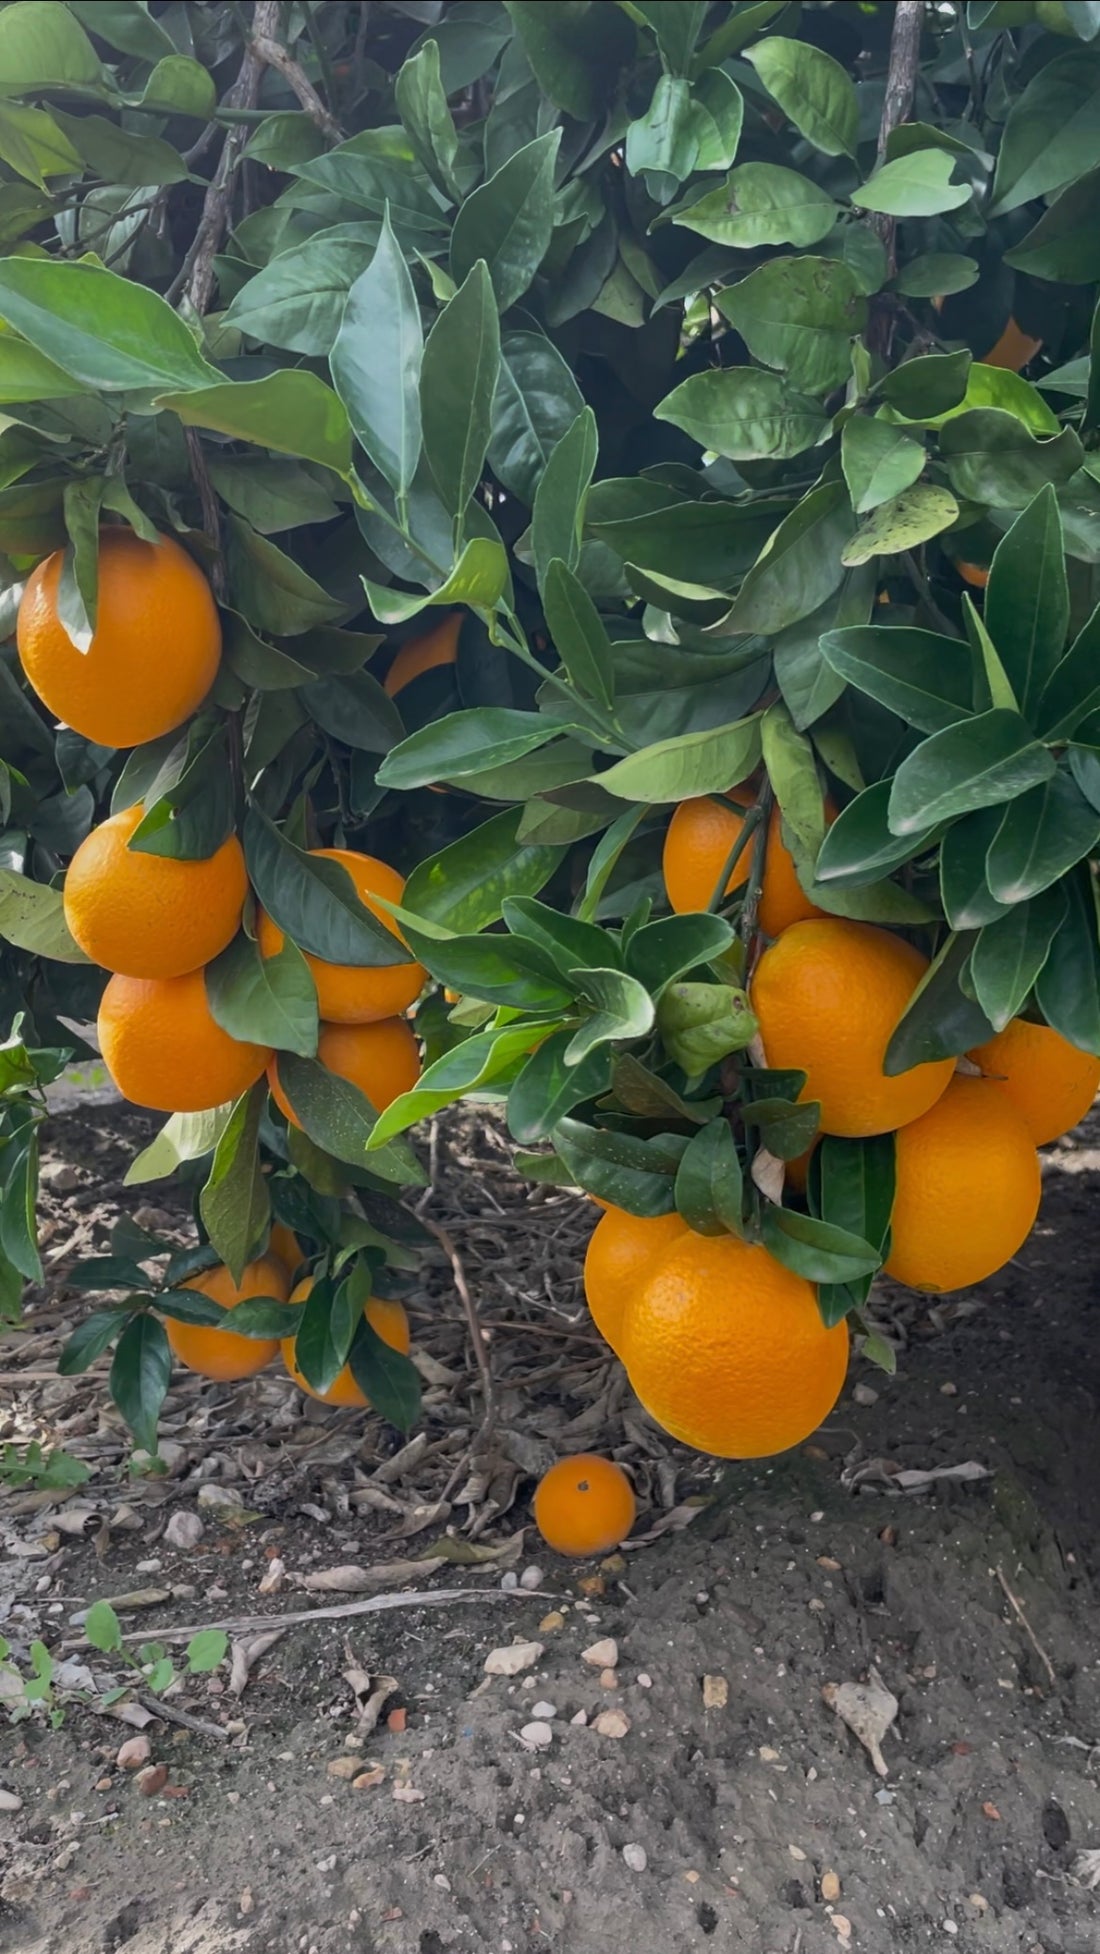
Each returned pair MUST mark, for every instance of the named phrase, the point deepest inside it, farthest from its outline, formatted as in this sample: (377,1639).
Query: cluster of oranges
(724,1345)
(155,922)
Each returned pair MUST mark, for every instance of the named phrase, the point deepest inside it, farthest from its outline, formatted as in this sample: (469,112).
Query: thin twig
(339,1611)
(277,56)
(477,1335)
(901,84)
(160,1708)
(1028,1630)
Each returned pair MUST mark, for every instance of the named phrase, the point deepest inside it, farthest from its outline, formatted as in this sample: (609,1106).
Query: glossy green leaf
(18,1241)
(676,29)
(548,1088)
(621,1009)
(265,1001)
(696,763)
(1064,246)
(1068,987)
(572,943)
(817,1250)
(1009,954)
(423,108)
(1053,131)
(316,1352)
(968,902)
(859,847)
(465,743)
(356,710)
(855,1190)
(924,388)
(1043,834)
(578,633)
(799,315)
(185,1136)
(917,185)
(746,414)
(272,590)
(928,680)
(106,331)
(800,566)
(662,145)
(536,402)
(41,47)
(493,969)
(457,387)
(388,1379)
(991,457)
(1027,599)
(89,1341)
(638,1175)
(941,1020)
(32,917)
(660,952)
(907,520)
(189,810)
(1072,691)
(937,274)
(483,1063)
(234,1204)
(574,50)
(341,1120)
(880,461)
(761,203)
(813,90)
(140,1374)
(291,411)
(376,360)
(708,1188)
(297,300)
(508,221)
(558,510)
(478,580)
(465,884)
(313,900)
(978,763)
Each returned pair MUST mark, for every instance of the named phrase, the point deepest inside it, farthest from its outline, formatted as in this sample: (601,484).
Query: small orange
(1013,349)
(967,1189)
(356,993)
(425,653)
(154,652)
(697,845)
(620,1253)
(219,1353)
(163,1049)
(382,1059)
(150,915)
(828,995)
(1050,1083)
(384,1315)
(584,1505)
(972,573)
(284,1243)
(727,1350)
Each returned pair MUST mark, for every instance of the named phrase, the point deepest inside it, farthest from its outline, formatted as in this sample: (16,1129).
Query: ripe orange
(382,1059)
(828,995)
(968,1187)
(584,1505)
(439,646)
(972,573)
(150,915)
(727,1350)
(356,993)
(284,1243)
(620,1252)
(383,1315)
(697,845)
(1050,1083)
(154,653)
(163,1049)
(1013,349)
(221,1354)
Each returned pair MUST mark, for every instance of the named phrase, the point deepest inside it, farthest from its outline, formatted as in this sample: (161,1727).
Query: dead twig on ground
(374,1604)
(1017,1608)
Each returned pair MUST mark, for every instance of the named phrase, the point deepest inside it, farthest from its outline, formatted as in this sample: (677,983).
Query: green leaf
(284,139)
(376,360)
(662,146)
(761,203)
(102,1628)
(817,1250)
(676,29)
(1009,954)
(191,1306)
(341,1120)
(660,952)
(264,1001)
(982,761)
(354,708)
(536,402)
(1043,834)
(478,1064)
(494,970)
(273,591)
(313,900)
(548,1088)
(746,414)
(189,810)
(967,900)
(206,1650)
(623,1009)
(937,274)
(141,1373)
(234,1204)
(1052,135)
(855,1191)
(509,220)
(271,495)
(186,1136)
(1027,599)
(917,185)
(464,743)
(464,886)
(88,1341)
(940,1020)
(799,315)
(879,460)
(558,510)
(998,684)
(708,1187)
(42,47)
(696,763)
(106,331)
(18,1243)
(298,299)
(32,917)
(991,457)
(180,86)
(1072,691)
(478,581)
(924,388)
(574,50)
(124,24)
(117,155)
(1068,988)
(813,90)
(386,1377)
(33,145)
(579,636)
(422,106)
(638,1175)
(316,1352)
(457,386)
(1064,246)
(568,940)
(292,412)
(799,566)
(911,518)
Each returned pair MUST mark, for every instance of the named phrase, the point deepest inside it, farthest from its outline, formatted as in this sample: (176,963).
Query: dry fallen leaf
(868,1709)
(367,1580)
(245,1654)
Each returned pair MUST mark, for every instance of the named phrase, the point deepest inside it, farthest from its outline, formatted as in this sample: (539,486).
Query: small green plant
(152,1666)
(29,1692)
(48,1472)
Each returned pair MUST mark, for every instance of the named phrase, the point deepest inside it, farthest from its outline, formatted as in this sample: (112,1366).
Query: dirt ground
(735,1810)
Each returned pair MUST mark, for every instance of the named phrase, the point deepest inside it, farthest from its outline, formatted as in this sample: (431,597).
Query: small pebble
(611,1723)
(830,1887)
(884,1797)
(608,1679)
(369,1779)
(184,1530)
(602,1655)
(843,1926)
(509,1579)
(644,1681)
(512,1659)
(716,1691)
(9,1802)
(949,1390)
(537,1736)
(441,1880)
(580,1718)
(148,1566)
(104,1784)
(635,1857)
(152,1780)
(531,1578)
(950,1926)
(135,1752)
(343,1767)
(551,1623)
(246,1903)
(865,1394)
(544,1710)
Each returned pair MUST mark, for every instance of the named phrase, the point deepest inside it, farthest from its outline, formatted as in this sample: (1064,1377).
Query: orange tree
(578,522)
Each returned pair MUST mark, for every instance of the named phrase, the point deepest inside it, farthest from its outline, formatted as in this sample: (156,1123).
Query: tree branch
(277,56)
(901,85)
